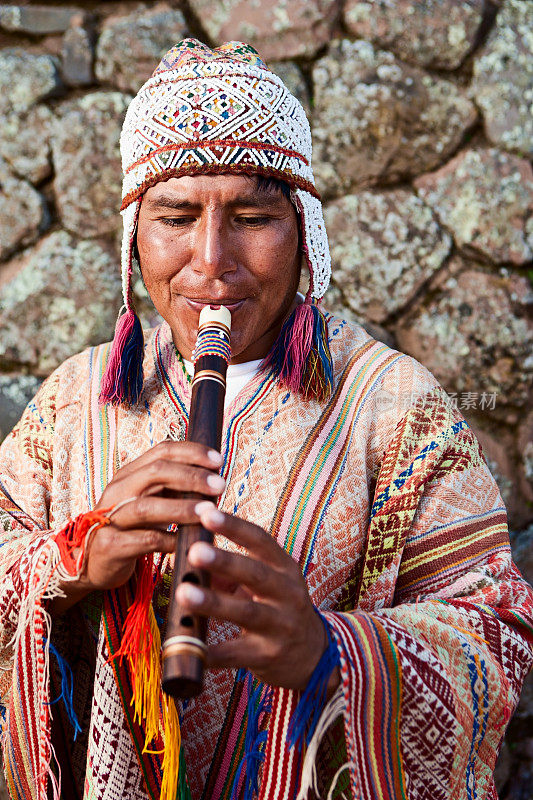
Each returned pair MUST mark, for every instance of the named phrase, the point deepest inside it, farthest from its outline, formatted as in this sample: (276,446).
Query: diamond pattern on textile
(111,760)
(37,449)
(515,661)
(429,724)
(426,438)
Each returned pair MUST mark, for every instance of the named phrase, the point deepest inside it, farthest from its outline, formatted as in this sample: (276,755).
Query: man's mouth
(197,303)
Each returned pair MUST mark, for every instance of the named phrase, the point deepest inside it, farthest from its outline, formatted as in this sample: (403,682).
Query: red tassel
(137,635)
(74,536)
(141,645)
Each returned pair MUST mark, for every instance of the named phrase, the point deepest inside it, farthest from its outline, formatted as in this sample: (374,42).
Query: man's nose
(212,249)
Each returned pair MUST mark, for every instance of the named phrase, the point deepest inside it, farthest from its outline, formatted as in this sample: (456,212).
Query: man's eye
(253,222)
(176,222)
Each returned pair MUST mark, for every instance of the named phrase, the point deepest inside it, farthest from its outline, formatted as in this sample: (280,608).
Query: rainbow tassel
(137,645)
(123,379)
(141,645)
(174,784)
(300,357)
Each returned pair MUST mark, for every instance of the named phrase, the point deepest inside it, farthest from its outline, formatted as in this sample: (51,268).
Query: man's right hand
(151,488)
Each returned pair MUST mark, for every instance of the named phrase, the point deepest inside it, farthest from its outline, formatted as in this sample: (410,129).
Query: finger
(163,474)
(123,546)
(258,575)
(148,511)
(249,614)
(178,452)
(257,541)
(245,651)
(266,658)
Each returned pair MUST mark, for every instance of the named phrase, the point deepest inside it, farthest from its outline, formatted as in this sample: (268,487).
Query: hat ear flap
(122,381)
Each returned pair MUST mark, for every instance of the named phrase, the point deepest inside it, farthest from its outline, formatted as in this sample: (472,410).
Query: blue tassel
(132,364)
(67,689)
(321,348)
(254,740)
(300,357)
(122,381)
(307,713)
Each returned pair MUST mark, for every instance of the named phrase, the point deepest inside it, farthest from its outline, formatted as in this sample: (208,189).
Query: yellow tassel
(148,700)
(172,743)
(146,671)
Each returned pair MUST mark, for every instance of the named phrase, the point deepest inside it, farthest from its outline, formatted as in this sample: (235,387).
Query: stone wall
(422,129)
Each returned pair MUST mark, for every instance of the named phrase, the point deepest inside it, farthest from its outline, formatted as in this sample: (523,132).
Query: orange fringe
(141,645)
(74,536)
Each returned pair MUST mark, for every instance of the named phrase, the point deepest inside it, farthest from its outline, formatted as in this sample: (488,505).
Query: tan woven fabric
(383,498)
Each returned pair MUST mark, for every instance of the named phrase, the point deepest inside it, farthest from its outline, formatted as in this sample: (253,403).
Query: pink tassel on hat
(123,379)
(300,356)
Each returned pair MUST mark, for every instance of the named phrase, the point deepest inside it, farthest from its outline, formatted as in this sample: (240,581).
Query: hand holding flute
(164,484)
(261,590)
(151,494)
(282,638)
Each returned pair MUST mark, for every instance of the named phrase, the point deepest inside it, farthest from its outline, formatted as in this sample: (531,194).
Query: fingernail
(215,457)
(202,553)
(201,508)
(216,482)
(214,516)
(190,593)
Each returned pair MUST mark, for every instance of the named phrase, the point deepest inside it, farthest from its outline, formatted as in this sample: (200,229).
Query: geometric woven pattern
(429,440)
(214,120)
(390,509)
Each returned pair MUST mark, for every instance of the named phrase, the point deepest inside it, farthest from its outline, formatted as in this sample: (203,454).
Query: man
(362,580)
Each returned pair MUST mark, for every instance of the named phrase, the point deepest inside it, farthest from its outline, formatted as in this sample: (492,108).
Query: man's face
(220,240)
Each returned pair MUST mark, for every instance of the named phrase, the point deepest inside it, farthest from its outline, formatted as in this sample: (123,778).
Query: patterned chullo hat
(220,111)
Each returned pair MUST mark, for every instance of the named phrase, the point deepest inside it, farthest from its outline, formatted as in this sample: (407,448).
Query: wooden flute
(184,649)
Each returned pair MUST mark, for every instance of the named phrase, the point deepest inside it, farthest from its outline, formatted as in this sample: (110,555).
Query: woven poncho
(399,530)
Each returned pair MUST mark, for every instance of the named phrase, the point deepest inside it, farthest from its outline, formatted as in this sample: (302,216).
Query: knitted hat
(222,111)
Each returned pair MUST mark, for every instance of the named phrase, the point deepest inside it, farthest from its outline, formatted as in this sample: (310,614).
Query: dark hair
(265,183)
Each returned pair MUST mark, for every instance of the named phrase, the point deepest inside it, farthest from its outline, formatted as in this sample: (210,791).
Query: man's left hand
(264,592)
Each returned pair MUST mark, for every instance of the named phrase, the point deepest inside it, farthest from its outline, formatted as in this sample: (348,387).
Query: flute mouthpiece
(215,314)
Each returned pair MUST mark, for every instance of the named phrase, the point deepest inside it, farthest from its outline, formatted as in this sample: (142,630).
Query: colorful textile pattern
(212,342)
(400,533)
(192,50)
(221,111)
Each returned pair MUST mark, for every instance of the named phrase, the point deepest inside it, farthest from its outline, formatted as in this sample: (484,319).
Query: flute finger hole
(187,622)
